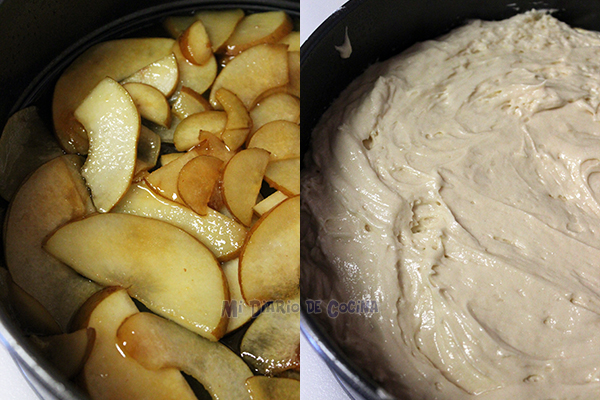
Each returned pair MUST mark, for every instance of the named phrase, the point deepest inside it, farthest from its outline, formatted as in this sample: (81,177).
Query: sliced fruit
(117,59)
(294,79)
(220,25)
(187,134)
(265,388)
(272,249)
(280,138)
(157,343)
(164,179)
(165,268)
(167,158)
(278,106)
(270,202)
(189,102)
(162,75)
(272,343)
(112,122)
(195,45)
(238,312)
(148,149)
(292,40)
(254,29)
(52,196)
(108,374)
(150,102)
(197,77)
(253,72)
(242,179)
(211,145)
(176,25)
(284,175)
(221,234)
(25,145)
(238,123)
(68,352)
(197,180)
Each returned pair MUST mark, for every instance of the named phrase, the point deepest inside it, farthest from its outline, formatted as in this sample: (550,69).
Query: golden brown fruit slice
(25,144)
(211,145)
(221,234)
(107,374)
(292,40)
(265,388)
(162,75)
(220,25)
(197,77)
(176,25)
(252,73)
(165,268)
(239,312)
(195,44)
(269,203)
(284,175)
(52,196)
(167,158)
(189,102)
(68,352)
(278,106)
(272,249)
(197,180)
(238,123)
(272,343)
(280,138)
(112,122)
(117,59)
(157,343)
(150,102)
(187,134)
(254,29)
(164,179)
(242,179)
(294,67)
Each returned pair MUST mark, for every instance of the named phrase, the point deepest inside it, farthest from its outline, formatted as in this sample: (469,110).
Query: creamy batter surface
(458,186)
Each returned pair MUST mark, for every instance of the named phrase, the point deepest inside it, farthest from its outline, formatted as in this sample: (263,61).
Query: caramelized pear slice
(162,75)
(150,102)
(238,123)
(195,44)
(280,138)
(157,343)
(284,175)
(197,180)
(254,29)
(165,268)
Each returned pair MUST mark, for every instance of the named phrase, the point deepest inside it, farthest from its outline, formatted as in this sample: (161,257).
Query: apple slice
(199,78)
(239,312)
(150,102)
(238,123)
(252,73)
(294,78)
(108,373)
(117,59)
(187,134)
(195,44)
(254,29)
(222,235)
(157,343)
(272,249)
(280,138)
(197,180)
(269,203)
(52,196)
(272,343)
(292,40)
(165,268)
(148,150)
(164,179)
(284,175)
(242,179)
(163,75)
(220,25)
(278,106)
(25,145)
(265,388)
(68,352)
(189,102)
(112,122)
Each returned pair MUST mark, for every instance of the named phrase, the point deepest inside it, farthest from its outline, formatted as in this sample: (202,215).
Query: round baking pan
(63,30)
(379,29)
